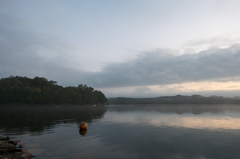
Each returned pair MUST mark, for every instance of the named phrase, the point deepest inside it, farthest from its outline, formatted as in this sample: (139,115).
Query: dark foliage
(40,118)
(41,91)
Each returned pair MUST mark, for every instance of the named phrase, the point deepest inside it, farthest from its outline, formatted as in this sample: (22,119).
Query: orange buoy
(83,126)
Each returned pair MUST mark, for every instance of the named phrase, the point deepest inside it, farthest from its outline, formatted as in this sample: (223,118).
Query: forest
(39,90)
(178,99)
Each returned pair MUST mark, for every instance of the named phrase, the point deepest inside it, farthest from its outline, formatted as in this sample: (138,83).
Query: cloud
(223,41)
(159,67)
(233,86)
(25,52)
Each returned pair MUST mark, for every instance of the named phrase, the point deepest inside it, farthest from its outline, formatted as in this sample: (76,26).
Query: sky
(125,48)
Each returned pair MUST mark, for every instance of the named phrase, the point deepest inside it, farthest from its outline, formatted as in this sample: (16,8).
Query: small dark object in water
(83,126)
(21,146)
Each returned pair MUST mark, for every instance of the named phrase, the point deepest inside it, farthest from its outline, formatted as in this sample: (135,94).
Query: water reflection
(177,108)
(168,142)
(143,133)
(183,116)
(37,119)
(205,121)
(136,132)
(83,132)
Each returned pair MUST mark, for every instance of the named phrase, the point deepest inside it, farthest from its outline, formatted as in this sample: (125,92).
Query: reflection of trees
(20,119)
(177,108)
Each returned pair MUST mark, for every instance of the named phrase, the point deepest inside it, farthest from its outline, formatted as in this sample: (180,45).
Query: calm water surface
(138,131)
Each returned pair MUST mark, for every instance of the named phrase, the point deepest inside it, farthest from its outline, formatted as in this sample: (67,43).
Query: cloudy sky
(132,48)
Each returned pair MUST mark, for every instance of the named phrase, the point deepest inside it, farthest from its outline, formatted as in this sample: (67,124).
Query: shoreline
(10,149)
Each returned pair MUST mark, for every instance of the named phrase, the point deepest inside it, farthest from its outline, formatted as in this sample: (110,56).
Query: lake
(129,132)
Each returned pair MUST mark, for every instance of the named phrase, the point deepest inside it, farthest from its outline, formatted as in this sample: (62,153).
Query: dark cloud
(154,68)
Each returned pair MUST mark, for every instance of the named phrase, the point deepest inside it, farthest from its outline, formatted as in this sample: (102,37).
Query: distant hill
(41,91)
(178,99)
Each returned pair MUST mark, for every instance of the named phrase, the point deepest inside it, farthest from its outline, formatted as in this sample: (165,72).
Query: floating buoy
(83,126)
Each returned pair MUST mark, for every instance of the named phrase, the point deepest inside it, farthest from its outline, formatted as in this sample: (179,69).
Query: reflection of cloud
(182,121)
(200,123)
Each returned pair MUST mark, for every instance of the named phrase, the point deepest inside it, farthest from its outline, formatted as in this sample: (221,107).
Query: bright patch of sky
(116,45)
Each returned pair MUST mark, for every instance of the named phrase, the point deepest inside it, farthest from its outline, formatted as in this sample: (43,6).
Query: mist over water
(137,131)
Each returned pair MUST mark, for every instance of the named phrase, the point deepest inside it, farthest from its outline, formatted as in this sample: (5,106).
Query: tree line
(39,90)
(178,99)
